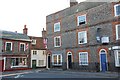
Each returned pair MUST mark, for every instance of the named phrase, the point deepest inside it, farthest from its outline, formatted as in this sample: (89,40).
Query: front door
(103,61)
(69,61)
(33,63)
(49,61)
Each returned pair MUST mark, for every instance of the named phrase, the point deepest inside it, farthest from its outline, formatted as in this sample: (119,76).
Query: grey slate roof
(13,36)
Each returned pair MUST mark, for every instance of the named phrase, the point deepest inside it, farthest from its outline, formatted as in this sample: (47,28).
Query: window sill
(82,43)
(57,46)
(57,64)
(19,66)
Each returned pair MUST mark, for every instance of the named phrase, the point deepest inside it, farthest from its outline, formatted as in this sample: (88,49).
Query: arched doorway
(103,60)
(69,60)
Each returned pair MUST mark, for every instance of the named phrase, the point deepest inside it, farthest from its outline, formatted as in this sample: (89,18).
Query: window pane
(57,41)
(83,58)
(81,20)
(82,37)
(55,59)
(118,10)
(119,31)
(57,27)
(59,59)
(22,47)
(119,58)
(41,62)
(8,47)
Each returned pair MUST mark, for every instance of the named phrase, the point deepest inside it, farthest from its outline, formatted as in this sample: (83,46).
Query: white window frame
(58,23)
(55,41)
(57,59)
(33,42)
(35,52)
(83,61)
(117,36)
(19,64)
(20,46)
(79,20)
(116,52)
(85,32)
(115,9)
(6,45)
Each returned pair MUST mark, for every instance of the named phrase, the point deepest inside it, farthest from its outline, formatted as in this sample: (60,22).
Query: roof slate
(13,36)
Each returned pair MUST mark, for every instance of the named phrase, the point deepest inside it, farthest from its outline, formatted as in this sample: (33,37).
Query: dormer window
(117,9)
(57,27)
(81,20)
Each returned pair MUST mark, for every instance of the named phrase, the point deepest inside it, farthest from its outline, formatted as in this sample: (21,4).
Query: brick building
(14,50)
(85,36)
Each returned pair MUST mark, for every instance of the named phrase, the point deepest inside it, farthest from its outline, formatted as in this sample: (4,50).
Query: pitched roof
(13,36)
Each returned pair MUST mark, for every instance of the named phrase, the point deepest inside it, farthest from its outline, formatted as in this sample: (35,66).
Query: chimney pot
(73,3)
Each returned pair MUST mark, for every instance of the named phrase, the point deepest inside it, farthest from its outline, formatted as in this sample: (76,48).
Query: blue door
(103,63)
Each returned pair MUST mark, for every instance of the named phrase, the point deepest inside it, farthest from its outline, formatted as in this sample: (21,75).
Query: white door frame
(47,60)
(68,53)
(100,58)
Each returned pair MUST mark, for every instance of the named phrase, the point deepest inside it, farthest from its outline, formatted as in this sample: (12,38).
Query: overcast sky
(14,14)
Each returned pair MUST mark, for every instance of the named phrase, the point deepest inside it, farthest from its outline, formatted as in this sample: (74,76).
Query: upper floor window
(82,37)
(83,58)
(8,46)
(57,41)
(117,9)
(57,59)
(117,31)
(34,52)
(33,42)
(22,47)
(57,27)
(81,20)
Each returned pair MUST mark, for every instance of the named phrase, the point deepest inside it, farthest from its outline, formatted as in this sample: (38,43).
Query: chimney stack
(44,33)
(73,3)
(25,30)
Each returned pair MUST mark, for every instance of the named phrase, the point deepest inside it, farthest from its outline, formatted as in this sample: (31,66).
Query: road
(58,74)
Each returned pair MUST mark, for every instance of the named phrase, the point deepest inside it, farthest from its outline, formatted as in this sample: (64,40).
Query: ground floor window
(83,58)
(57,59)
(41,62)
(18,62)
(117,58)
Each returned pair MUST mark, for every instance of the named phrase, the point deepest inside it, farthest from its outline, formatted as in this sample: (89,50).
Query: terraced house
(38,51)
(14,50)
(85,36)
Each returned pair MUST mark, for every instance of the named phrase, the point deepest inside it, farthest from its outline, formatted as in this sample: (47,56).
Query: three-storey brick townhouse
(85,36)
(14,50)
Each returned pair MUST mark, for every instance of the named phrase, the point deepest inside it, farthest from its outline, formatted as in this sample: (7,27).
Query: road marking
(14,74)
